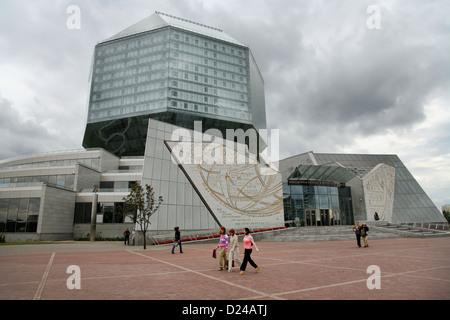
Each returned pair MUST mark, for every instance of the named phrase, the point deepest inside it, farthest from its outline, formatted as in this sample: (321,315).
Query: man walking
(357,230)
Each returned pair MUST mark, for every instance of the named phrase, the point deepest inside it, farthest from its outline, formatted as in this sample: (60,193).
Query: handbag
(363,233)
(214,253)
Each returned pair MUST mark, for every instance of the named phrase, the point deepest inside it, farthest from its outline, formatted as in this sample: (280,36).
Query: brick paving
(410,269)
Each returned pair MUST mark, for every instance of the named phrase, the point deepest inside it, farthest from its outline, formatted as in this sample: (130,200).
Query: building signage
(317,183)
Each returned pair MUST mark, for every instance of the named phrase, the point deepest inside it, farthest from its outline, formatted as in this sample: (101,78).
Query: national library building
(150,85)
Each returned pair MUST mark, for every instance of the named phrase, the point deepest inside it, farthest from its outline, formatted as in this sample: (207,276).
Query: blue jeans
(175,244)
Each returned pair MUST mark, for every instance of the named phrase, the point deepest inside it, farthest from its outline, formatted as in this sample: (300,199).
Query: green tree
(142,205)
(447,215)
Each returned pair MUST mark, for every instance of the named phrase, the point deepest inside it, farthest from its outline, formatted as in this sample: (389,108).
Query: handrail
(427,225)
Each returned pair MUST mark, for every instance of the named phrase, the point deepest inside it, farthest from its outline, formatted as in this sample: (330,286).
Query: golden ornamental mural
(238,189)
(243,189)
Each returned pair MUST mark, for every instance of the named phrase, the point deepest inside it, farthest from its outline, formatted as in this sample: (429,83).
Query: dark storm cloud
(44,74)
(330,82)
(327,73)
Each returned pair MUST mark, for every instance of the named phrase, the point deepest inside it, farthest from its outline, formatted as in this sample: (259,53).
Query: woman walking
(177,240)
(248,242)
(234,250)
(133,235)
(223,245)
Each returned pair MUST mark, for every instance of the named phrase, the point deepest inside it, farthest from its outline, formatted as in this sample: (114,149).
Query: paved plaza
(408,269)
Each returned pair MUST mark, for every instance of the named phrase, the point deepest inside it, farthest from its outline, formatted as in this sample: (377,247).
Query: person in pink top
(248,242)
(223,245)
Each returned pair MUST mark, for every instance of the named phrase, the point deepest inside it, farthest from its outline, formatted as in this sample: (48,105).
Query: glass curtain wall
(65,181)
(19,214)
(129,77)
(208,76)
(313,205)
(110,212)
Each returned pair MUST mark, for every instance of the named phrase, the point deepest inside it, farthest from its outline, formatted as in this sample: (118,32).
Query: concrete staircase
(377,230)
(411,231)
(325,233)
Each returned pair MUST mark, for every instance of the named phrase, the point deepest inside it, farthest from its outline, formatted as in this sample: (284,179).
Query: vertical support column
(94,214)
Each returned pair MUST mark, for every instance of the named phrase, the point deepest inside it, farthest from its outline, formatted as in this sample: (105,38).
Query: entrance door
(336,217)
(324,217)
(310,217)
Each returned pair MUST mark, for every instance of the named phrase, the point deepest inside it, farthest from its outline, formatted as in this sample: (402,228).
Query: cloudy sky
(355,76)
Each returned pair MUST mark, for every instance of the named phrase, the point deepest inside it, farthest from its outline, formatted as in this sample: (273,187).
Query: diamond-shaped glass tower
(172,70)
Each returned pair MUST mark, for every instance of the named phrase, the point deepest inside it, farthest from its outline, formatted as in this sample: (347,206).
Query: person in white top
(234,250)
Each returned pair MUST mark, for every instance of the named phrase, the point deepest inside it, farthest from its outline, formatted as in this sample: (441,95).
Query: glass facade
(317,205)
(130,77)
(209,77)
(127,136)
(173,75)
(83,212)
(116,186)
(171,69)
(109,212)
(411,203)
(90,162)
(65,181)
(19,214)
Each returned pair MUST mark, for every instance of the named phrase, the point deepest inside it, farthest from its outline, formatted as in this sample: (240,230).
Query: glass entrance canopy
(332,173)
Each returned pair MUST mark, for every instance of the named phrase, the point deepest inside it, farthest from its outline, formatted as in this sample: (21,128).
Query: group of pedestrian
(361,232)
(230,244)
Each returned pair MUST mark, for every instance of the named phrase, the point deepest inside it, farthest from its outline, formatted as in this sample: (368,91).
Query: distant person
(364,234)
(177,240)
(248,243)
(357,230)
(223,245)
(126,233)
(234,250)
(133,235)
(375,216)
